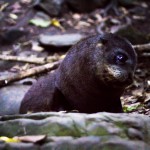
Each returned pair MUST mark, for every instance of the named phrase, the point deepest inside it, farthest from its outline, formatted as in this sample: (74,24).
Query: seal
(91,78)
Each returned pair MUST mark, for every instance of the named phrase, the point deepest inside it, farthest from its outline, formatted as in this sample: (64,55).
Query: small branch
(42,60)
(29,72)
(146,54)
(23,59)
(34,60)
(43,68)
(142,47)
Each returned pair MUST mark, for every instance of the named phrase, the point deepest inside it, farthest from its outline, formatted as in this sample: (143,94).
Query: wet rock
(84,143)
(19,146)
(77,125)
(84,5)
(127,2)
(10,98)
(96,143)
(6,65)
(52,7)
(12,35)
(64,40)
(78,131)
(133,35)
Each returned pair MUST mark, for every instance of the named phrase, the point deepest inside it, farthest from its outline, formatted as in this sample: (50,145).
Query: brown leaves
(32,138)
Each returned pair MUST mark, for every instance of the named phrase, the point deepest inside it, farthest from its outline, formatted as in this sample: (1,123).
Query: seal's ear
(104,38)
(104,41)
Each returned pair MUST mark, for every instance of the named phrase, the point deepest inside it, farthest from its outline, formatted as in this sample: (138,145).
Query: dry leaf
(41,20)
(3,6)
(36,47)
(16,7)
(56,23)
(9,140)
(32,138)
(13,16)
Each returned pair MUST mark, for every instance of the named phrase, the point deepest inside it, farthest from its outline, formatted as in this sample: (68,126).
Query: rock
(96,143)
(8,1)
(52,7)
(127,2)
(79,131)
(64,40)
(6,65)
(11,36)
(133,35)
(19,146)
(84,5)
(84,143)
(10,98)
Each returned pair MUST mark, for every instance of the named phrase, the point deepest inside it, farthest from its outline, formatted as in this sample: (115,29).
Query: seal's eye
(121,58)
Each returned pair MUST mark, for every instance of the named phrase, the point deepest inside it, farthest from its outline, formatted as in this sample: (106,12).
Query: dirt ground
(18,38)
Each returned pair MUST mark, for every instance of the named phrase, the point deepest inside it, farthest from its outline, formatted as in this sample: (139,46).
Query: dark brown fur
(88,80)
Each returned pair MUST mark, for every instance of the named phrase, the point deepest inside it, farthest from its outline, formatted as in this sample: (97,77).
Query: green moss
(128,109)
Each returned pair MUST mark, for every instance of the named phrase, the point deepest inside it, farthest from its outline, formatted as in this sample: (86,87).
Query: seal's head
(119,60)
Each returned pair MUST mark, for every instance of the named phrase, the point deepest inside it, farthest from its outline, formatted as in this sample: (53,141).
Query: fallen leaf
(26,1)
(36,47)
(32,138)
(9,140)
(56,23)
(2,7)
(133,107)
(13,16)
(41,20)
(16,7)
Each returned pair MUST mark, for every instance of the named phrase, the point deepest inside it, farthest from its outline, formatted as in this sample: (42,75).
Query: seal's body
(90,79)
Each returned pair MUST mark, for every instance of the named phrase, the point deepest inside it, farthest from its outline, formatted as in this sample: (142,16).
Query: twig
(34,60)
(29,72)
(142,47)
(23,59)
(42,60)
(43,68)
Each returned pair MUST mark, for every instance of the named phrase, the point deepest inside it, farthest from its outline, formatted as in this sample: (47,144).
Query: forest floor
(20,37)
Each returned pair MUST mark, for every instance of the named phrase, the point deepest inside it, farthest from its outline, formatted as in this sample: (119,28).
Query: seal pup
(90,79)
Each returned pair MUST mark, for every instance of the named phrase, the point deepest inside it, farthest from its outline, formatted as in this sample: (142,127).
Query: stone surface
(52,7)
(60,40)
(86,6)
(133,35)
(75,131)
(10,98)
(19,146)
